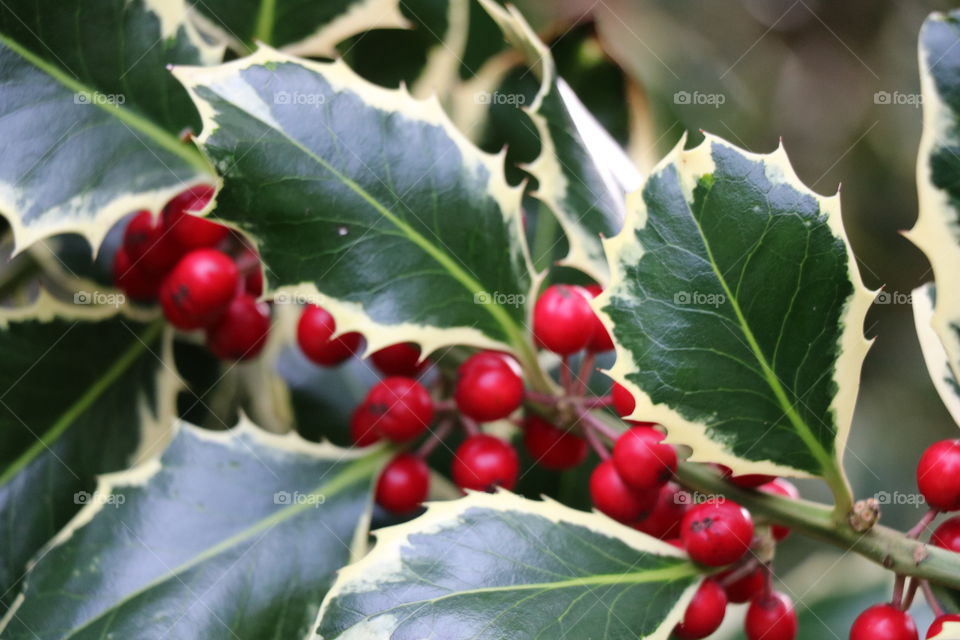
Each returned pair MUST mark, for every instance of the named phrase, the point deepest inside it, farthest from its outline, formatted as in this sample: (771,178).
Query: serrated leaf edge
(934,354)
(853,344)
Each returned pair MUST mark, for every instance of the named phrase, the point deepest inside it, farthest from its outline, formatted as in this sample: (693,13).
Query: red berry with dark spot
(947,535)
(132,280)
(642,460)
(404,484)
(785,488)
(938,475)
(704,614)
(191,231)
(403,408)
(748,587)
(751,480)
(149,244)
(552,447)
(242,330)
(663,521)
(363,426)
(717,533)
(399,360)
(563,321)
(483,462)
(199,289)
(623,402)
(489,389)
(771,617)
(612,496)
(937,627)
(601,340)
(884,622)
(315,337)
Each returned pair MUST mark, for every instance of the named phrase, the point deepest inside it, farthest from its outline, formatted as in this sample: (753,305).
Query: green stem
(885,546)
(544,239)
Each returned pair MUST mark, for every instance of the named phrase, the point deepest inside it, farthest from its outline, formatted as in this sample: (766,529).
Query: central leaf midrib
(513,332)
(129,117)
(355,472)
(770,376)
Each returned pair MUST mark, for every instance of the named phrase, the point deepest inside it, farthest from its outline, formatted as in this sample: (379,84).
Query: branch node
(865,514)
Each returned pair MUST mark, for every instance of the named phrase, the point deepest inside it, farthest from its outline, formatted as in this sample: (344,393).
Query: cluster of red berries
(204,276)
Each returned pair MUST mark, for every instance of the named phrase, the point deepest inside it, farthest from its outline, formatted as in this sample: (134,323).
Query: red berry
(612,496)
(403,484)
(748,587)
(642,460)
(717,533)
(488,389)
(149,244)
(248,262)
(751,480)
(785,488)
(399,360)
(486,359)
(363,426)
(938,475)
(623,401)
(704,614)
(199,289)
(947,535)
(771,617)
(190,231)
(563,321)
(242,330)
(403,408)
(663,521)
(552,447)
(937,627)
(314,333)
(601,340)
(132,280)
(483,462)
(884,622)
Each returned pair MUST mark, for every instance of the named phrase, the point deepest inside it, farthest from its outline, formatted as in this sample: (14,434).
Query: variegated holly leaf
(582,173)
(91,120)
(366,201)
(488,567)
(737,311)
(85,390)
(229,534)
(944,380)
(937,231)
(949,631)
(304,27)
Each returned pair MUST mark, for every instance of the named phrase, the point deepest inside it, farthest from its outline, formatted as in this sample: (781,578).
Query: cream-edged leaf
(934,354)
(737,311)
(91,119)
(367,201)
(948,631)
(582,174)
(497,566)
(228,534)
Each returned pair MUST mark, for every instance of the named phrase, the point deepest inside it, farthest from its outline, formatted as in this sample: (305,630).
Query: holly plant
(329,389)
